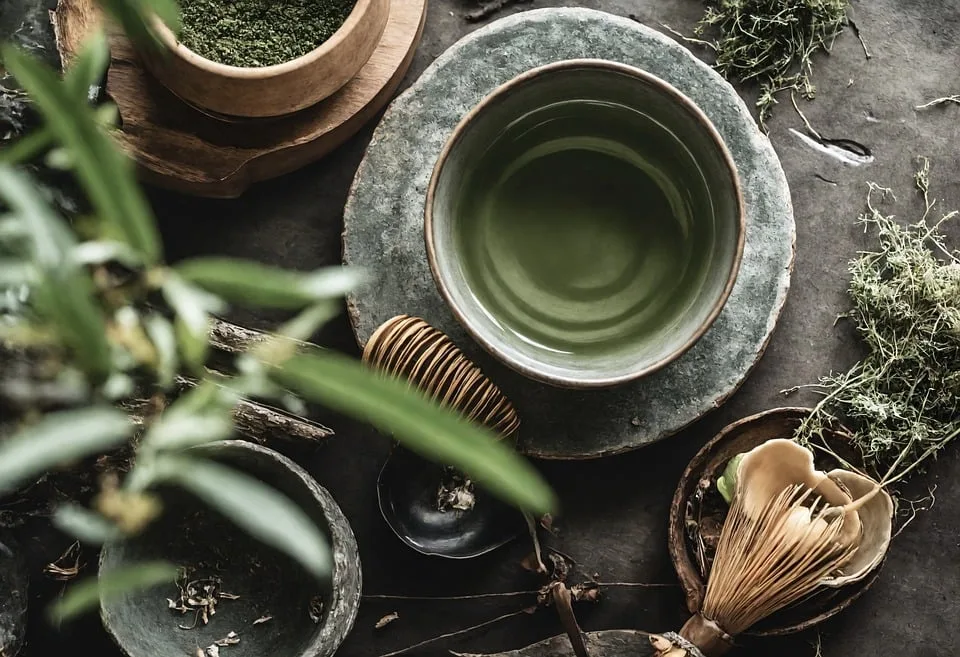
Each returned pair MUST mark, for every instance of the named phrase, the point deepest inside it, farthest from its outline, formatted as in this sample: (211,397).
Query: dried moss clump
(902,402)
(772,42)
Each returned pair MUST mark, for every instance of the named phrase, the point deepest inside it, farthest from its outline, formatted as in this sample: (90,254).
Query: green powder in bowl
(256,33)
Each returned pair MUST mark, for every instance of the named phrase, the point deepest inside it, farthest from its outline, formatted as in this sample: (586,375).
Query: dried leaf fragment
(263,619)
(386,620)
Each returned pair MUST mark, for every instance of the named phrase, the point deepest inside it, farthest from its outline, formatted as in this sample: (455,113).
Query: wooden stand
(188,150)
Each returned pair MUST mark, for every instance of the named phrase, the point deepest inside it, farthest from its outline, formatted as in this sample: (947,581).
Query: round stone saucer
(383,229)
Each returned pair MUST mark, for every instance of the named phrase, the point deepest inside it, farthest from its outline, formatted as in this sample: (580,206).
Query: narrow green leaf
(439,434)
(193,307)
(85,525)
(17,272)
(309,321)
(88,594)
(65,292)
(57,439)
(161,333)
(27,147)
(255,284)
(175,431)
(106,173)
(258,509)
(103,251)
(89,65)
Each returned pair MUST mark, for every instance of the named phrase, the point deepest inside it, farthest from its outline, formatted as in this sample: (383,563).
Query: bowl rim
(175,48)
(341,613)
(667,89)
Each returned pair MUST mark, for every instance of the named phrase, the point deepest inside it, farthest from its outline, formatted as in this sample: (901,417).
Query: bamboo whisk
(408,347)
(770,561)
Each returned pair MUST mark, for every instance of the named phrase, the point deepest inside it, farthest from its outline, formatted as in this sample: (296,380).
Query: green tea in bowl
(585,223)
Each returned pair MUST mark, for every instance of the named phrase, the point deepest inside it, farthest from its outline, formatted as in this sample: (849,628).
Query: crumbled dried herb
(902,401)
(256,33)
(772,42)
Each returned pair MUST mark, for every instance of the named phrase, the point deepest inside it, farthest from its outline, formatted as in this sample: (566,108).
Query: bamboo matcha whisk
(409,347)
(790,530)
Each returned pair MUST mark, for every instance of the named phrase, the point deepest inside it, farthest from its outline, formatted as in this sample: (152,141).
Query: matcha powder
(255,33)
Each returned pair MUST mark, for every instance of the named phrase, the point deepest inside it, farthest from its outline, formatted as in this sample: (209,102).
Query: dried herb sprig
(901,403)
(772,42)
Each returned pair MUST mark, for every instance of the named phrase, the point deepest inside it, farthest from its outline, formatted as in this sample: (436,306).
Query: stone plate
(383,229)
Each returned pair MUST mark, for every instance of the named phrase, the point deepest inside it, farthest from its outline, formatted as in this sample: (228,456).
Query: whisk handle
(707,636)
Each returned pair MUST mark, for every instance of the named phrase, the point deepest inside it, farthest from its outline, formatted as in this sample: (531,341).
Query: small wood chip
(386,620)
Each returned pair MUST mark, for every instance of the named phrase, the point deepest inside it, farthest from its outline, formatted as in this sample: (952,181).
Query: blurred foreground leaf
(86,595)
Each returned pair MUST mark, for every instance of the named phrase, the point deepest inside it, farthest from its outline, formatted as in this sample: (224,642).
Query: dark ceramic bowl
(267,582)
(585,223)
(407,494)
(708,464)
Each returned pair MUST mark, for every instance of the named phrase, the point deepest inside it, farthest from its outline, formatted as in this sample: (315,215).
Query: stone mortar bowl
(708,464)
(270,91)
(268,583)
(644,287)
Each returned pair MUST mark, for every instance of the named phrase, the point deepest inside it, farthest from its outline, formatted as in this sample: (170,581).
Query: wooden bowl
(708,464)
(270,90)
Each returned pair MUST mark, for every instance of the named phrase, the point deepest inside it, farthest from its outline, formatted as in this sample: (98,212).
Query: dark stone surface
(383,229)
(614,515)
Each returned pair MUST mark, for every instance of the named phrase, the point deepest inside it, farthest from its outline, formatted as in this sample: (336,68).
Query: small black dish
(407,490)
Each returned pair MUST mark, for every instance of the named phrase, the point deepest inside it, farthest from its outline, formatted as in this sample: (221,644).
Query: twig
(793,99)
(856,32)
(637,585)
(450,635)
(477,596)
(913,510)
(256,421)
(940,101)
(699,42)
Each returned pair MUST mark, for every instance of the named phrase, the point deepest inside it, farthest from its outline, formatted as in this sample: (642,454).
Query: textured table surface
(615,509)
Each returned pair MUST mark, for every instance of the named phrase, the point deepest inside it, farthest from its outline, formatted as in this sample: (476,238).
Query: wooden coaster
(185,149)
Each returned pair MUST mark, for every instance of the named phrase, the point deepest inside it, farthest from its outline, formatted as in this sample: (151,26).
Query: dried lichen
(771,42)
(902,401)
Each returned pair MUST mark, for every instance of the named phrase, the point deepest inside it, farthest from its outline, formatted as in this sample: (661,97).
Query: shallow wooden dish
(192,151)
(271,90)
(709,463)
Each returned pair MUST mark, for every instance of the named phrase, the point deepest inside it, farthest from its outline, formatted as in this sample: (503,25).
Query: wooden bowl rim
(176,49)
(684,103)
(690,581)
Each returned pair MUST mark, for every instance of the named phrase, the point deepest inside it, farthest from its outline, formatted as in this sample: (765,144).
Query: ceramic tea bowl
(274,606)
(585,223)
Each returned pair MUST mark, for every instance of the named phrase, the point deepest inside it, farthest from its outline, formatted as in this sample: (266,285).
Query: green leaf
(60,438)
(250,283)
(16,272)
(309,321)
(89,65)
(175,431)
(161,333)
(258,509)
(727,482)
(193,307)
(345,385)
(102,252)
(107,174)
(27,147)
(85,525)
(65,293)
(88,594)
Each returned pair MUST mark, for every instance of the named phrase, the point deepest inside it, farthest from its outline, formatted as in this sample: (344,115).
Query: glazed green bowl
(585,223)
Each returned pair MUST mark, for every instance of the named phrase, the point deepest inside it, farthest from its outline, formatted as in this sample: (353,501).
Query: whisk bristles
(410,348)
(773,559)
